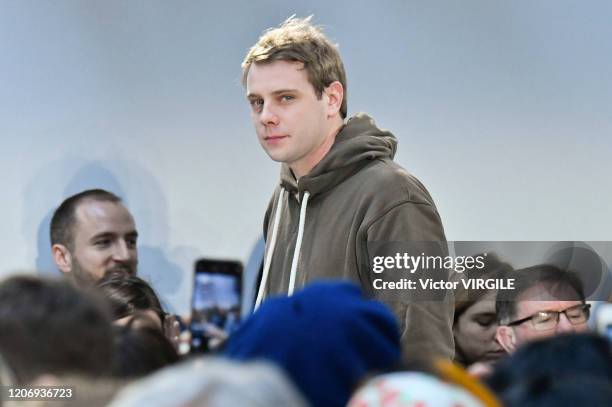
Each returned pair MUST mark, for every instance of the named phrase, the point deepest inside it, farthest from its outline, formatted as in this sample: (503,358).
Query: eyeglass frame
(585,307)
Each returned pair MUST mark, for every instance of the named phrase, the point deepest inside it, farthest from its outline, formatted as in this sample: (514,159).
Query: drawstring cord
(298,243)
(296,251)
(268,258)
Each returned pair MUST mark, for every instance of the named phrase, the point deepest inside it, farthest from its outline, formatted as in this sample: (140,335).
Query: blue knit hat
(327,338)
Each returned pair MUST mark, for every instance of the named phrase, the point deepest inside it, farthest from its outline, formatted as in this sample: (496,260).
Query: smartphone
(216,302)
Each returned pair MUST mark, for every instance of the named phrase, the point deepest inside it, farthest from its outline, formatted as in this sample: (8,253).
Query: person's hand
(480,370)
(182,340)
(172,330)
(217,336)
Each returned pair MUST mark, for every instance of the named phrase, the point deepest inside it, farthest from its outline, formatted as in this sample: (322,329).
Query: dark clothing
(356,195)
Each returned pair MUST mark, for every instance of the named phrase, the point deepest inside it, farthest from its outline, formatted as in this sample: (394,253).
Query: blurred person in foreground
(128,296)
(437,383)
(48,327)
(326,337)
(141,349)
(213,382)
(134,302)
(567,370)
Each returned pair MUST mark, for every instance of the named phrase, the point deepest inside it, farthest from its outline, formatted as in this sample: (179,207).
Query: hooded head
(327,338)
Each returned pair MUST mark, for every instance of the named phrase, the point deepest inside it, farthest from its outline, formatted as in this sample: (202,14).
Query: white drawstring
(268,257)
(298,243)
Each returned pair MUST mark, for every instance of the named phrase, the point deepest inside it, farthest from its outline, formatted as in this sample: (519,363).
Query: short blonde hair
(297,40)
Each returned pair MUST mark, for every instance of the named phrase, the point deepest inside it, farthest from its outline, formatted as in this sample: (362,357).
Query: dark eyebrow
(111,235)
(102,235)
(281,91)
(275,93)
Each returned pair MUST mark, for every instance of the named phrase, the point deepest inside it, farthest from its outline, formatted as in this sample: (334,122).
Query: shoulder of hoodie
(385,181)
(391,183)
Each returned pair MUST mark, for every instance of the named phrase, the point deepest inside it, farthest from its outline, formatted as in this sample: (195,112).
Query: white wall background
(503,109)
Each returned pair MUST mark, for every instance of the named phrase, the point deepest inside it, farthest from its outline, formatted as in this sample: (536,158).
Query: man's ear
(505,336)
(62,257)
(335,96)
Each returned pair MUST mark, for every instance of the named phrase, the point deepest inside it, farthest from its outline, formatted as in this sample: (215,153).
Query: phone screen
(216,302)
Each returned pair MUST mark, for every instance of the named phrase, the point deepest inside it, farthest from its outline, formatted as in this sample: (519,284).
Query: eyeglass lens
(548,319)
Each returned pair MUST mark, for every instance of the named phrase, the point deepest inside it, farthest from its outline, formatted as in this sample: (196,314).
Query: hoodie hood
(357,143)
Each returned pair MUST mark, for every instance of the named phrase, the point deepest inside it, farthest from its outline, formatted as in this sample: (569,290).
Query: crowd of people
(326,345)
(102,331)
(320,335)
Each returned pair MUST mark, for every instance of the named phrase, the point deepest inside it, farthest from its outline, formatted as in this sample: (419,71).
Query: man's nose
(121,252)
(268,117)
(564,325)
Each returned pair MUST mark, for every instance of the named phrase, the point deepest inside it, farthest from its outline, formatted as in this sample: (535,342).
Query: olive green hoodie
(354,197)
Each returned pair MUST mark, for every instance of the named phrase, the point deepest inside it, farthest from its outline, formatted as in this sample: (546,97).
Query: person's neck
(306,165)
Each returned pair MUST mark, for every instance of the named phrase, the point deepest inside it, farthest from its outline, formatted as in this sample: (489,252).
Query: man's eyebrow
(281,91)
(275,93)
(103,235)
(112,235)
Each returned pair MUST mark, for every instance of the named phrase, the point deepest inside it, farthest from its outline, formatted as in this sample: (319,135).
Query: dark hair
(129,294)
(554,278)
(553,392)
(494,268)
(64,219)
(140,351)
(48,326)
(534,374)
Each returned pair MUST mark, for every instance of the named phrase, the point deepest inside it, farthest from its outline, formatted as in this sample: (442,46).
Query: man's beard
(121,269)
(84,278)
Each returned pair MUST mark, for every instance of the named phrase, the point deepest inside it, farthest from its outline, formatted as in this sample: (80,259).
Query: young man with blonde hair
(340,192)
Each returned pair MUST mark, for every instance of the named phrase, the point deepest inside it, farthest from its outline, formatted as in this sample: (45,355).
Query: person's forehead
(269,77)
(97,216)
(548,292)
(484,305)
(526,308)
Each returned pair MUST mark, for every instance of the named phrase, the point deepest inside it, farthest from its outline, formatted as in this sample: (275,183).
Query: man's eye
(287,98)
(131,243)
(102,243)
(575,314)
(543,317)
(256,104)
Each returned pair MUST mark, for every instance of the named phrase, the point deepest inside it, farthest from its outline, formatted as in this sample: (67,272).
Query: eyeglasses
(547,320)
